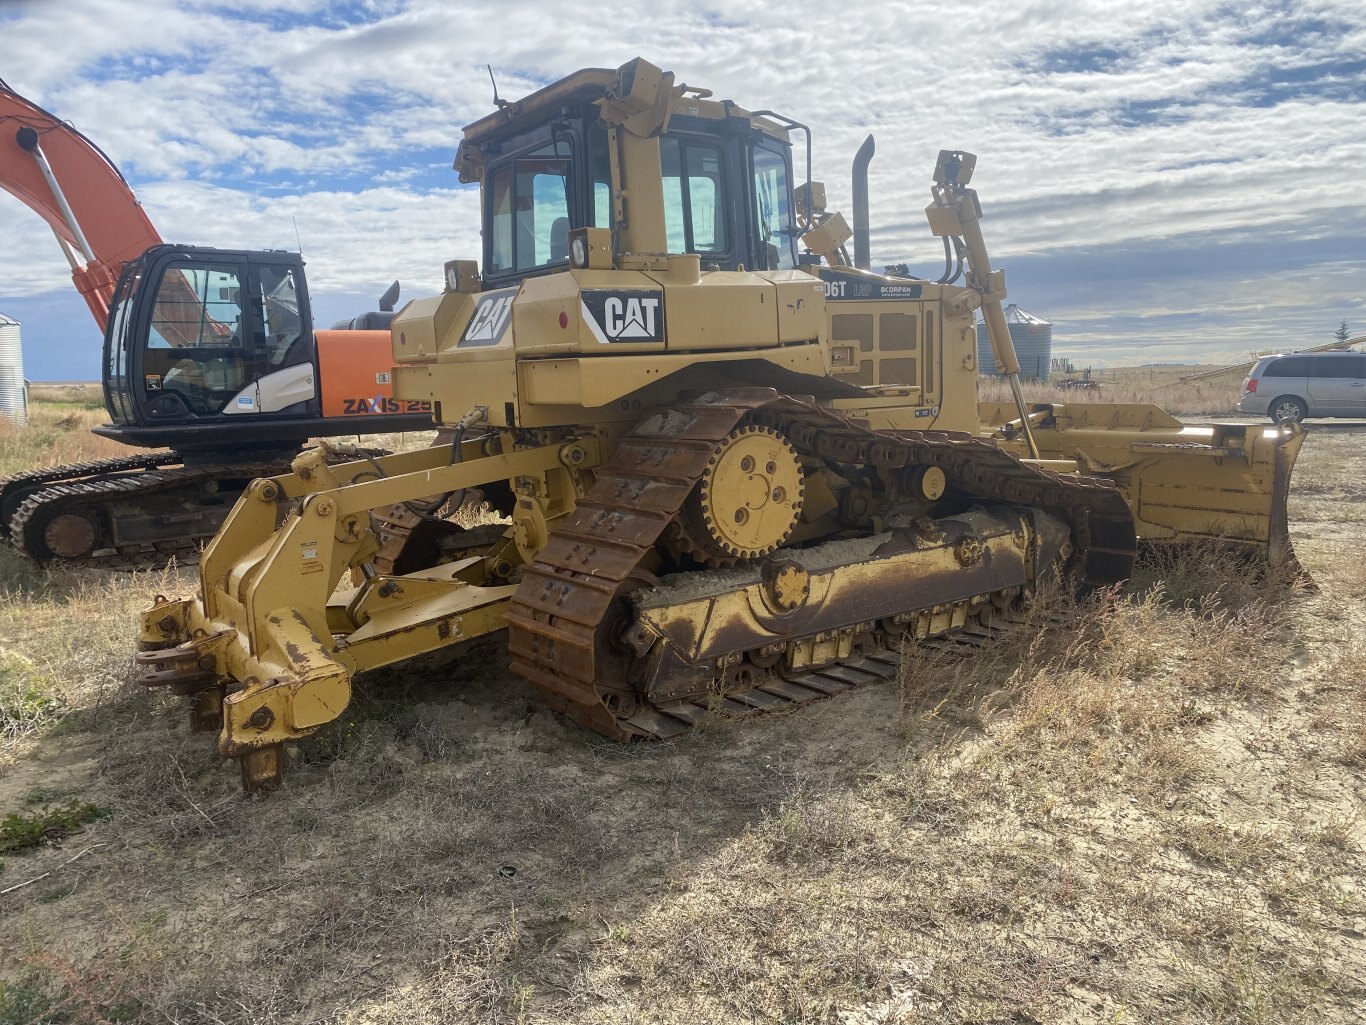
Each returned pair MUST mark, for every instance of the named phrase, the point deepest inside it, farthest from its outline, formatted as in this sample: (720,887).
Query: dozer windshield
(726,197)
(530,210)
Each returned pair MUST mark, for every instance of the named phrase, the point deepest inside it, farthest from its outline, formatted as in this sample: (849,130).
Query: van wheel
(1287,407)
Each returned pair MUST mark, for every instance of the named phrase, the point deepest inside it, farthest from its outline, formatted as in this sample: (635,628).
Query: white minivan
(1297,385)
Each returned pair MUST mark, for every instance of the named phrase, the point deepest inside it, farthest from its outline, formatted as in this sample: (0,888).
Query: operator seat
(559,239)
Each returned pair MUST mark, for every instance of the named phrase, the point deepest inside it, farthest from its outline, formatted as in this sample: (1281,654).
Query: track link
(571,608)
(14,489)
(130,486)
(672,719)
(93,498)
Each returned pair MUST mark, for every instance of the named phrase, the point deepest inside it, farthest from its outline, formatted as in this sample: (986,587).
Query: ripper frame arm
(271,617)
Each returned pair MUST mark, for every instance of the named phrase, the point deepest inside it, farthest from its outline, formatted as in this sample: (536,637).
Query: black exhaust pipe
(864,156)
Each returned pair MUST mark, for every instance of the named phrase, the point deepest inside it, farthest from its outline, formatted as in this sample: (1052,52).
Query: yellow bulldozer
(737,469)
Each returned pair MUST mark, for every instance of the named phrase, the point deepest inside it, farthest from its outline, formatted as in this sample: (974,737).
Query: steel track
(94,496)
(130,479)
(567,613)
(14,489)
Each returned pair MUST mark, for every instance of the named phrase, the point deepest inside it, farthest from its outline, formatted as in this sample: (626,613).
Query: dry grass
(56,434)
(1218,397)
(1147,812)
(81,393)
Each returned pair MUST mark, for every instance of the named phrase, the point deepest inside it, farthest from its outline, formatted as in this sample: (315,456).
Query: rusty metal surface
(568,619)
(70,535)
(1281,553)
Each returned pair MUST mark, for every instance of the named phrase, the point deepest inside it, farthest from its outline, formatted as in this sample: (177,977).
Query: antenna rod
(499,103)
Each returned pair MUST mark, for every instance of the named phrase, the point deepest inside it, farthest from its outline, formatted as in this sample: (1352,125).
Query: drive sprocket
(748,500)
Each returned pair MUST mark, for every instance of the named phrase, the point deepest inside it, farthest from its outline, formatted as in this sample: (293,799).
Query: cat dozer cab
(208,353)
(742,471)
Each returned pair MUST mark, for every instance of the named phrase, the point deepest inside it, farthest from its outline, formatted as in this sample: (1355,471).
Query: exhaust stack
(864,156)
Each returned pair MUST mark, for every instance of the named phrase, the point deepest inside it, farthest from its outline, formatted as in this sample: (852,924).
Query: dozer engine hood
(603,344)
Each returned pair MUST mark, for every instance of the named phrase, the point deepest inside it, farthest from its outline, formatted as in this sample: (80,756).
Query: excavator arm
(67,180)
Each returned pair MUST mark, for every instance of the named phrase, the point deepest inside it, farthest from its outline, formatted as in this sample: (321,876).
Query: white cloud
(1097,123)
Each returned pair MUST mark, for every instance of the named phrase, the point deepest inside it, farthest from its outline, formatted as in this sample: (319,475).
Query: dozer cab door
(202,335)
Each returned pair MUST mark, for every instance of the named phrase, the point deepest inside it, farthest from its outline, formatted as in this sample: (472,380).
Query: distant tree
(1342,334)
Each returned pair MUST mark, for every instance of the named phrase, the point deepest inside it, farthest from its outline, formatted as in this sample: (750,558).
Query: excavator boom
(66,179)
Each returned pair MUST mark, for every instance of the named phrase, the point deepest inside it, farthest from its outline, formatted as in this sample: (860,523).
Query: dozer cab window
(529,204)
(694,211)
(600,175)
(773,207)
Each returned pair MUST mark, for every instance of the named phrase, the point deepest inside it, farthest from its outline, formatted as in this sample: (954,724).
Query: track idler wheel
(61,535)
(748,500)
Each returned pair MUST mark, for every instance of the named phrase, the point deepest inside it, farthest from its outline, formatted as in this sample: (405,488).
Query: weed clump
(22,830)
(28,700)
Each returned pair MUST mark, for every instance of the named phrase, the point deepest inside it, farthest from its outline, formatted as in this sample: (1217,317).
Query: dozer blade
(1224,484)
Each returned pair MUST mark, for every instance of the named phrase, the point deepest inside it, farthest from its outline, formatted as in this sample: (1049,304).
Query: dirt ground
(1150,812)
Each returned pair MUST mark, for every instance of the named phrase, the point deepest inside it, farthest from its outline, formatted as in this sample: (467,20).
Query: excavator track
(154,498)
(571,613)
(81,509)
(14,489)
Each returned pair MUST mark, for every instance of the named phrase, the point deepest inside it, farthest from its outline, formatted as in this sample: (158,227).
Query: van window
(1291,366)
(1343,368)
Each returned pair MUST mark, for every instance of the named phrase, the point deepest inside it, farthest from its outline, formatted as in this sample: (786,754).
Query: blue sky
(1166,181)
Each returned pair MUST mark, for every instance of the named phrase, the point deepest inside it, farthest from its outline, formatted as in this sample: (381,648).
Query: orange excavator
(210,357)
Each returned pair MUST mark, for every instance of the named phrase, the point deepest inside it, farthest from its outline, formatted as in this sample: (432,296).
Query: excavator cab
(206,334)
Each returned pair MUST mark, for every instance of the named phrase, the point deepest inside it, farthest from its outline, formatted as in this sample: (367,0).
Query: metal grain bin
(13,396)
(1033,340)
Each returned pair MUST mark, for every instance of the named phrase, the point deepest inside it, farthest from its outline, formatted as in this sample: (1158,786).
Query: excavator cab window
(118,398)
(279,328)
(199,341)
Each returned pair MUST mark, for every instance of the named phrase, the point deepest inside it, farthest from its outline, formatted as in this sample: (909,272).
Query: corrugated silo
(13,397)
(1033,340)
